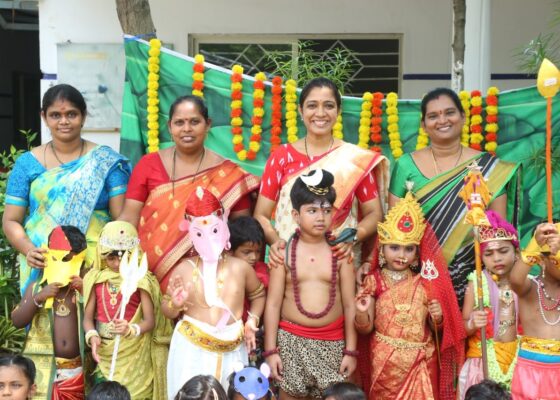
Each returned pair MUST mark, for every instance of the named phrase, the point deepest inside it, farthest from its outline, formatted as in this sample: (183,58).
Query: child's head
(249,383)
(17,377)
(201,387)
(498,245)
(109,390)
(66,254)
(344,391)
(400,234)
(246,238)
(116,238)
(312,199)
(487,390)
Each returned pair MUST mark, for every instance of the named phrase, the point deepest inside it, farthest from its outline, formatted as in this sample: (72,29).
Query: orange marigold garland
(276,115)
(392,112)
(258,114)
(152,95)
(491,127)
(376,120)
(365,121)
(465,98)
(291,114)
(237,112)
(476,120)
(198,76)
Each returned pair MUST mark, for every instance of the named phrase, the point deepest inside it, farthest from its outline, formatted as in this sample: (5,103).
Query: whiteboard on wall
(97,70)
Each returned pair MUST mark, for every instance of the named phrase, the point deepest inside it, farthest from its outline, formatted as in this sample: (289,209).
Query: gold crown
(489,234)
(404,223)
(118,235)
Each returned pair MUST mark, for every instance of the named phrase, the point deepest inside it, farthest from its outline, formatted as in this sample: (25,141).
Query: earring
(382,260)
(495,277)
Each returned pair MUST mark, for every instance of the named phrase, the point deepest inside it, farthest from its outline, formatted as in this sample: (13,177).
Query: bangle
(137,329)
(89,334)
(255,317)
(267,353)
(38,305)
(351,353)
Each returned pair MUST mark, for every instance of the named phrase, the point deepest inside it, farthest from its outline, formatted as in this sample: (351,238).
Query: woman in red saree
(161,182)
(360,175)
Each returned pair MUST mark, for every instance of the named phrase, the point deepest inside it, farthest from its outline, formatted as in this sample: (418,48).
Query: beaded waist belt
(208,342)
(68,363)
(543,346)
(400,344)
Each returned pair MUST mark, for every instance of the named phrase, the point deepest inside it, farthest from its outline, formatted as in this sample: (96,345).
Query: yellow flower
(152,117)
(258,94)
(491,146)
(465,130)
(476,101)
(236,121)
(153,133)
(291,107)
(367,96)
(154,52)
(491,128)
(291,123)
(292,138)
(476,138)
(393,119)
(493,91)
(476,120)
(155,43)
(292,131)
(237,69)
(197,92)
(397,152)
(153,68)
(153,109)
(366,106)
(392,128)
(491,110)
(391,110)
(198,76)
(199,59)
(236,86)
(258,112)
(256,129)
(260,76)
(392,97)
(153,85)
(153,125)
(255,146)
(464,95)
(365,121)
(236,104)
(363,130)
(153,60)
(366,114)
(236,139)
(394,136)
(153,101)
(363,145)
(242,155)
(152,93)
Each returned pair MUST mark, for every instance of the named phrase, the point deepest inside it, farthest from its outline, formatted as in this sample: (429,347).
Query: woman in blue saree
(67,181)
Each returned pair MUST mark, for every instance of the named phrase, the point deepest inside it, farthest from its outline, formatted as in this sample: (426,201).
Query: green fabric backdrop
(521,134)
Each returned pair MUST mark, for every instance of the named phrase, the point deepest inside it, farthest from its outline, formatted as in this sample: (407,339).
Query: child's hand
(347,366)
(477,320)
(179,293)
(120,327)
(544,232)
(343,250)
(250,338)
(363,301)
(276,254)
(276,368)
(51,290)
(95,342)
(362,272)
(76,282)
(434,308)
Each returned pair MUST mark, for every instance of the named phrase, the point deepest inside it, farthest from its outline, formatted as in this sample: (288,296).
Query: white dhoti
(198,348)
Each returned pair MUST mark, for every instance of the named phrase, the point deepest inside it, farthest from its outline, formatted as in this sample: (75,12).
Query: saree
(139,357)
(66,195)
(164,209)
(446,211)
(403,358)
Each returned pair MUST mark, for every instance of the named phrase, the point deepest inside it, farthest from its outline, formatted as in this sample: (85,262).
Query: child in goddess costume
(134,367)
(406,310)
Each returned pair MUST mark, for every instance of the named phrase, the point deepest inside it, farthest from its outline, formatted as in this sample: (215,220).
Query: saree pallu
(350,165)
(403,359)
(164,209)
(446,211)
(67,195)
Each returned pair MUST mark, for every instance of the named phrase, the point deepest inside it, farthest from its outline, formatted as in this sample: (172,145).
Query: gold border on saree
(208,342)
(400,344)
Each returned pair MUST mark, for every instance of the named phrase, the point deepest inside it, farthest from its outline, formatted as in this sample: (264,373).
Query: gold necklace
(104,302)
(305,145)
(402,305)
(436,167)
(61,309)
(173,167)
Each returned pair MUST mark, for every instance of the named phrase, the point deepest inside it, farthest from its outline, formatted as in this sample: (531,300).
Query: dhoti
(198,348)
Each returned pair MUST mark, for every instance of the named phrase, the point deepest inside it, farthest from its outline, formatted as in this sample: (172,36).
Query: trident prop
(131,274)
(430,272)
(476,196)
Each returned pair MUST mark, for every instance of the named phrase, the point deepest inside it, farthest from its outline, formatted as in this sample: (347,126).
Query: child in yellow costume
(137,352)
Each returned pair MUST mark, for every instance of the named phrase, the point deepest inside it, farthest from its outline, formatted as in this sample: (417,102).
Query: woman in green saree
(438,171)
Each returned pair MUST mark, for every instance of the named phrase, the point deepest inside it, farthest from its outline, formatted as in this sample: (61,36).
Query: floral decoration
(337,128)
(476,120)
(365,120)
(198,76)
(152,95)
(465,98)
(491,127)
(258,114)
(276,115)
(291,113)
(376,120)
(392,112)
(237,112)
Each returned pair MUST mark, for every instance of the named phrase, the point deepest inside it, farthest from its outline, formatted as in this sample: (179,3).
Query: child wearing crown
(537,372)
(206,293)
(499,247)
(410,313)
(103,302)
(310,340)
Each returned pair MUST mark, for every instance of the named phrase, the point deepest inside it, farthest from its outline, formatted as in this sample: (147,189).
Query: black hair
(301,194)
(243,230)
(76,238)
(64,92)
(197,101)
(25,364)
(231,389)
(436,94)
(344,391)
(201,387)
(109,390)
(487,390)
(319,83)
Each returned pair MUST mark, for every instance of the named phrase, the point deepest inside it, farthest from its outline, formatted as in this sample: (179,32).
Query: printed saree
(446,211)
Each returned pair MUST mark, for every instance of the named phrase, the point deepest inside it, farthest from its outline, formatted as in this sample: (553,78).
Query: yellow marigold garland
(423,139)
(237,112)
(476,120)
(365,121)
(392,112)
(337,128)
(291,113)
(152,95)
(376,121)
(465,98)
(198,76)
(258,114)
(491,127)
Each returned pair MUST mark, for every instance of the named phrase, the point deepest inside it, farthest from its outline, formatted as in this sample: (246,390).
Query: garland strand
(291,114)
(476,120)
(365,121)
(423,139)
(237,111)
(337,128)
(465,98)
(491,127)
(258,114)
(152,94)
(393,125)
(276,117)
(198,76)
(376,121)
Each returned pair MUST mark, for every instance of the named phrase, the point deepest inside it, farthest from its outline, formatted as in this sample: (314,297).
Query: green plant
(335,63)
(11,338)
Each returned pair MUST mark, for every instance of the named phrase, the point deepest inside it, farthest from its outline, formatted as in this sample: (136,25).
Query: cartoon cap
(202,202)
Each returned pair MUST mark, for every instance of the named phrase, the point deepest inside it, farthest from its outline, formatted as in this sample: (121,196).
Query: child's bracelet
(267,353)
(255,317)
(362,325)
(351,353)
(38,305)
(89,334)
(137,329)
